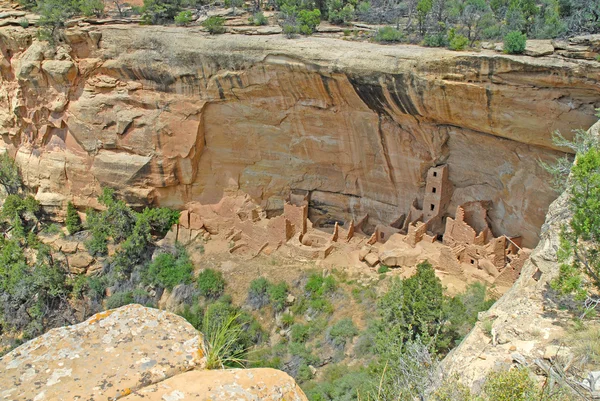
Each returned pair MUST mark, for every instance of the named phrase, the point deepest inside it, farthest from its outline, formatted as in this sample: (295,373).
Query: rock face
(525,320)
(224,385)
(172,115)
(132,352)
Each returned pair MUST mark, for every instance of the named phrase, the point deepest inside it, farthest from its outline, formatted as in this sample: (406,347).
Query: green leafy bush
(287,320)
(183,18)
(515,42)
(278,295)
(383,269)
(119,299)
(161,219)
(258,19)
(92,8)
(258,293)
(318,286)
(214,25)
(304,22)
(338,12)
(160,11)
(342,331)
(168,270)
(389,34)
(299,333)
(436,40)
(456,41)
(73,221)
(514,385)
(211,283)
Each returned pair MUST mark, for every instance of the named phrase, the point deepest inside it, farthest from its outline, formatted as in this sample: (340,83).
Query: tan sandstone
(172,115)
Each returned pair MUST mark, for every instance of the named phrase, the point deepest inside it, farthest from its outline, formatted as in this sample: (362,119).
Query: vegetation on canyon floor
(455,24)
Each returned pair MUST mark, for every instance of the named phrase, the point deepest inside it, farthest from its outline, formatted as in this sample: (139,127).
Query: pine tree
(73,220)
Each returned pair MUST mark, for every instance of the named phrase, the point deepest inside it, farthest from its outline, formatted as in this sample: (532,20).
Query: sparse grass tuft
(221,339)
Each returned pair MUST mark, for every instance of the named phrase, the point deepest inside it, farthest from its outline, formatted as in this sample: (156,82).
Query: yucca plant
(221,340)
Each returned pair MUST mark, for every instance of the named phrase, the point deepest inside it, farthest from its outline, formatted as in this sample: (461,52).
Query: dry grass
(585,344)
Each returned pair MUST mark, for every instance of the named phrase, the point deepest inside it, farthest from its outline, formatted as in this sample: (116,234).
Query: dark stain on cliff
(326,84)
(401,97)
(220,88)
(371,95)
(374,96)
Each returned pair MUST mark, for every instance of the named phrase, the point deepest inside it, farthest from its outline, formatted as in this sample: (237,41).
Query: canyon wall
(171,115)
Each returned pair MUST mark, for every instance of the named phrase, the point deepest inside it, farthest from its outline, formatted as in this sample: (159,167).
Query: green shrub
(388,34)
(598,58)
(435,40)
(119,299)
(214,25)
(299,333)
(167,270)
(211,283)
(318,286)
(342,331)
(278,295)
(513,385)
(452,390)
(24,22)
(338,12)
(287,320)
(258,293)
(383,269)
(320,305)
(290,30)
(340,382)
(97,244)
(515,42)
(161,219)
(308,21)
(92,8)
(52,229)
(456,41)
(160,11)
(183,18)
(73,220)
(258,19)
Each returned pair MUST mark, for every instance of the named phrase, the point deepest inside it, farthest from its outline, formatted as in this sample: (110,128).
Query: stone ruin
(463,245)
(250,232)
(468,247)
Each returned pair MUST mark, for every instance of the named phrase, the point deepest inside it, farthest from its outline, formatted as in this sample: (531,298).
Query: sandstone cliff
(131,353)
(527,324)
(172,115)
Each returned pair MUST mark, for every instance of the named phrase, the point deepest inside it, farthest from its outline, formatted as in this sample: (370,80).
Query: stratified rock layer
(172,115)
(109,355)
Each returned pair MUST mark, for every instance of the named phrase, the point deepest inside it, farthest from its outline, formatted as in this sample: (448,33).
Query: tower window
(434,190)
(435,173)
(432,207)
